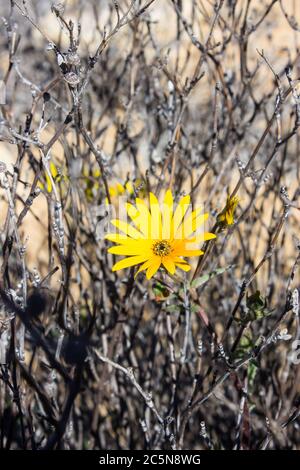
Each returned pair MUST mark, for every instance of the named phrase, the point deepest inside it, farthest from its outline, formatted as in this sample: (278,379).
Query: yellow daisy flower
(160,237)
(226,217)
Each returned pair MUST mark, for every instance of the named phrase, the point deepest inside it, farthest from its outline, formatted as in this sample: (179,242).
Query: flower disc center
(162,248)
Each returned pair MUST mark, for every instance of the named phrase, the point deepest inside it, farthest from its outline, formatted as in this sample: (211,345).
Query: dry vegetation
(200,96)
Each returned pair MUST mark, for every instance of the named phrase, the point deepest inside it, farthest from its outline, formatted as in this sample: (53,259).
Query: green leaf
(173,308)
(194,308)
(245,345)
(257,307)
(199,281)
(251,372)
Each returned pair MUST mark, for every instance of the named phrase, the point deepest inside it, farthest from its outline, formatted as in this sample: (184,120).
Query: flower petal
(144,266)
(126,228)
(191,224)
(184,266)
(169,264)
(153,268)
(127,262)
(53,170)
(155,217)
(117,238)
(144,219)
(140,218)
(191,253)
(203,237)
(130,249)
(180,212)
(167,215)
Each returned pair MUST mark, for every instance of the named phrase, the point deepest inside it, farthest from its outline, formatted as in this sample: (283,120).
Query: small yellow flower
(56,175)
(226,217)
(117,190)
(128,189)
(91,177)
(160,237)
